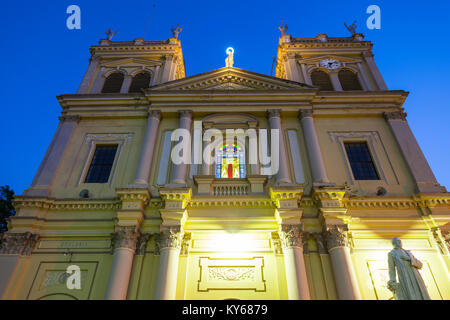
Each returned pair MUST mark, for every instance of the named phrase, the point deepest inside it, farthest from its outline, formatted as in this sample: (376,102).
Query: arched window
(113,83)
(140,81)
(349,80)
(230,162)
(322,80)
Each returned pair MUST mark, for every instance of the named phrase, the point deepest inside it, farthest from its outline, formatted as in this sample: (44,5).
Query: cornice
(66,204)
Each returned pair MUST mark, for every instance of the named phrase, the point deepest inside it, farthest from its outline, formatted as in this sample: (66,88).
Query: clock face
(330,64)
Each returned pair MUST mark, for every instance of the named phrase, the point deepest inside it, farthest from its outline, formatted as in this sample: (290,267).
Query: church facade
(110,201)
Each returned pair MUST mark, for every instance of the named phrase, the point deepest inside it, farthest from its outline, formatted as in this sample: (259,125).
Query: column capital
(336,236)
(18,243)
(320,243)
(68,118)
(156,114)
(305,113)
(141,243)
(170,237)
(291,235)
(395,116)
(273,113)
(185,113)
(124,237)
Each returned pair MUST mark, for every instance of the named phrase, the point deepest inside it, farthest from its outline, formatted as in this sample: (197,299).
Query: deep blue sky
(42,58)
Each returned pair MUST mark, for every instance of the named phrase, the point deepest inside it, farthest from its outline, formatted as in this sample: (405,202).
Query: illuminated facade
(108,198)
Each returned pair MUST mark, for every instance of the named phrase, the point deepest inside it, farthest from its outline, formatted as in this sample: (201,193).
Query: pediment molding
(230,78)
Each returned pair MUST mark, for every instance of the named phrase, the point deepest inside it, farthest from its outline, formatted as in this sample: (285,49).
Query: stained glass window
(230,162)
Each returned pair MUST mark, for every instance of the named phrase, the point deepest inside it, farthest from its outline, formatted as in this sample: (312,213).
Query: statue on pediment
(351,28)
(404,266)
(110,34)
(176,31)
(283,28)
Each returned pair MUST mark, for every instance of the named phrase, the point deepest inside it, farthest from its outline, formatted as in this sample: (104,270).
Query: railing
(238,189)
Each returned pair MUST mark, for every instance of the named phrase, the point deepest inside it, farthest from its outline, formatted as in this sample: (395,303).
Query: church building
(124,205)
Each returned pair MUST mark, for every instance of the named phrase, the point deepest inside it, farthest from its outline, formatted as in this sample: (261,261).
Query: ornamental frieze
(18,243)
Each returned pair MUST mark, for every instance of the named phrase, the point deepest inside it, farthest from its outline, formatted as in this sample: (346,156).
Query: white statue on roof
(229,61)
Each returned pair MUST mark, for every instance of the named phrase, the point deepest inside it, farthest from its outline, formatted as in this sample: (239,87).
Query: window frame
(95,140)
(359,137)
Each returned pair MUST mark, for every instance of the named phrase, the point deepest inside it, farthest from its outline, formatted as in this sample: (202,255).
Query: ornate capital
(291,236)
(305,113)
(18,243)
(336,236)
(273,113)
(156,114)
(141,243)
(320,243)
(185,243)
(185,113)
(68,118)
(395,116)
(170,238)
(442,240)
(124,237)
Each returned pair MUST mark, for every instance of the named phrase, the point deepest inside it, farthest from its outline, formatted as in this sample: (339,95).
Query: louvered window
(101,164)
(349,80)
(140,81)
(322,80)
(113,83)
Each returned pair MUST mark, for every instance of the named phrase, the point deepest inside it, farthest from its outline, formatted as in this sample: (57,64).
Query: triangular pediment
(230,78)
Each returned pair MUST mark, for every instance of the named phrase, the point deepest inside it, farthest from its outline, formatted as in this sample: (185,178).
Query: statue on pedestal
(404,266)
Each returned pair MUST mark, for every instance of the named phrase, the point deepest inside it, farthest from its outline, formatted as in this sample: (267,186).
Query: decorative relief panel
(229,274)
(51,280)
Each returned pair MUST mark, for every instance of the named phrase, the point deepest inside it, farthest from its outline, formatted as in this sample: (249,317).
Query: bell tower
(331,63)
(114,65)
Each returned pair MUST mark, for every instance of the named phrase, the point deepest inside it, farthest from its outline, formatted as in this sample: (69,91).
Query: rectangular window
(101,164)
(361,161)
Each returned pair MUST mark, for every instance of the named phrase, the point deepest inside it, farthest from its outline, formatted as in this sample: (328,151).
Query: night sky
(41,58)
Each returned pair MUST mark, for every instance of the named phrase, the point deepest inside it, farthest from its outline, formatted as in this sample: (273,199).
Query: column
(123,242)
(368,56)
(88,76)
(341,261)
(362,78)
(126,84)
(275,123)
(180,170)
(44,177)
(169,246)
(99,81)
(296,279)
(319,173)
(335,81)
(306,75)
(148,148)
(413,155)
(14,256)
(252,148)
(169,67)
(290,65)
